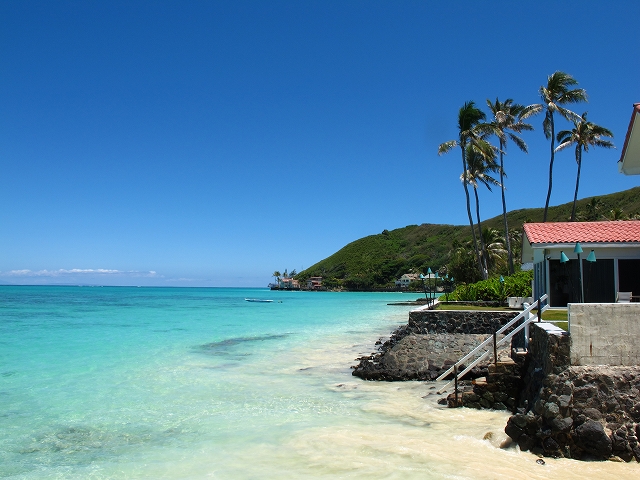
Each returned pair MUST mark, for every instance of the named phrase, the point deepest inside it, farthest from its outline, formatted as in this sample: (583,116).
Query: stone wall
(421,357)
(549,347)
(458,321)
(431,342)
(587,413)
(499,390)
(605,333)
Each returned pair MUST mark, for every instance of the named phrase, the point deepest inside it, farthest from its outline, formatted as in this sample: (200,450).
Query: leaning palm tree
(508,119)
(479,169)
(469,133)
(584,134)
(556,94)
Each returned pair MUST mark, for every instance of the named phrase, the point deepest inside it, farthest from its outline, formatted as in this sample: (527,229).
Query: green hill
(377,260)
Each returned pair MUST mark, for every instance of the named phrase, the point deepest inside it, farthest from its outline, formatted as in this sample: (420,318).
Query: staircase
(491,344)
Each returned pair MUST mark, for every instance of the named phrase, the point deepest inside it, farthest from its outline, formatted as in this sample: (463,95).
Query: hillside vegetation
(378,260)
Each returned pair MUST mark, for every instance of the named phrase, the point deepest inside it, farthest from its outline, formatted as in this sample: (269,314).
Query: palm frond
(560,81)
(603,144)
(573,96)
(469,116)
(564,145)
(531,110)
(520,143)
(568,114)
(447,147)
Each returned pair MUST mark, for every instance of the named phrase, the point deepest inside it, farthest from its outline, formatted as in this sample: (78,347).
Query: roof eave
(630,164)
(584,244)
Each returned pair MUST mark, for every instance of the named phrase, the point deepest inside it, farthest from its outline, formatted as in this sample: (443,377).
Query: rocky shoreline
(417,356)
(579,412)
(585,413)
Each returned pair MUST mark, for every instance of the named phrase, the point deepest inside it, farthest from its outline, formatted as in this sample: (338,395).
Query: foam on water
(197,383)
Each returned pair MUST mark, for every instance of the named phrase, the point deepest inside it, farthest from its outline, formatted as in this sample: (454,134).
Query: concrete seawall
(605,334)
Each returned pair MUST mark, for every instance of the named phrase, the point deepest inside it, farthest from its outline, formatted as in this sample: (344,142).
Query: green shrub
(516,285)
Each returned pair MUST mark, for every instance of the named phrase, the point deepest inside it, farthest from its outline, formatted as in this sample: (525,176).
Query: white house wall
(630,163)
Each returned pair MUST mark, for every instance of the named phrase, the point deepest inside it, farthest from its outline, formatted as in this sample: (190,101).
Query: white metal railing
(524,315)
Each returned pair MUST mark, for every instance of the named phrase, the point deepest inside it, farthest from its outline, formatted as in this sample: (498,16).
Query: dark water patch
(218,353)
(230,342)
(231,348)
(10,373)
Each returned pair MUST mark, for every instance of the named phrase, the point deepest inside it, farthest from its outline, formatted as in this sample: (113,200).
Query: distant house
(314,283)
(616,250)
(288,283)
(629,162)
(406,279)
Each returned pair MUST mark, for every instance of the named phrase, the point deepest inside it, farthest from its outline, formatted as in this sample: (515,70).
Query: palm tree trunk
(507,242)
(466,192)
(575,195)
(483,253)
(546,205)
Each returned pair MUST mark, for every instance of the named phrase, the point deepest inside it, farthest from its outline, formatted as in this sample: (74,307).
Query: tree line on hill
(376,261)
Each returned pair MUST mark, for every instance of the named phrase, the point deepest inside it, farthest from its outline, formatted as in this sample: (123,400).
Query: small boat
(257,300)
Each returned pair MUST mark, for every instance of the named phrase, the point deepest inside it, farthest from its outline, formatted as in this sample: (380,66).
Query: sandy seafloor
(197,383)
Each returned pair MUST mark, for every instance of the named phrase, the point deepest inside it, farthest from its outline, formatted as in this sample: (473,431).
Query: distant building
(406,279)
(288,283)
(314,283)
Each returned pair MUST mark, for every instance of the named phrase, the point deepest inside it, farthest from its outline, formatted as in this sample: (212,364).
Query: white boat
(257,300)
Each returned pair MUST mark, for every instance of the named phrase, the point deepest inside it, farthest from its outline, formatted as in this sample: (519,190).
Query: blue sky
(211,143)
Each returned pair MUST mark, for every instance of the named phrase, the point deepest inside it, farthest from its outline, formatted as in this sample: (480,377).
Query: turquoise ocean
(176,383)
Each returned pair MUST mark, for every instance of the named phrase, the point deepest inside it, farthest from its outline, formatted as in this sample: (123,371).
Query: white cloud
(63,272)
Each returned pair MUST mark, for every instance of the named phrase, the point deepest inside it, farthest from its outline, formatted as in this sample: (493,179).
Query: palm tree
(462,264)
(494,250)
(593,209)
(478,172)
(508,119)
(554,95)
(469,133)
(584,134)
(616,213)
(276,277)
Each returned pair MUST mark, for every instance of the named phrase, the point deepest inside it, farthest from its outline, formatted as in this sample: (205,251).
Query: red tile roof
(587,232)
